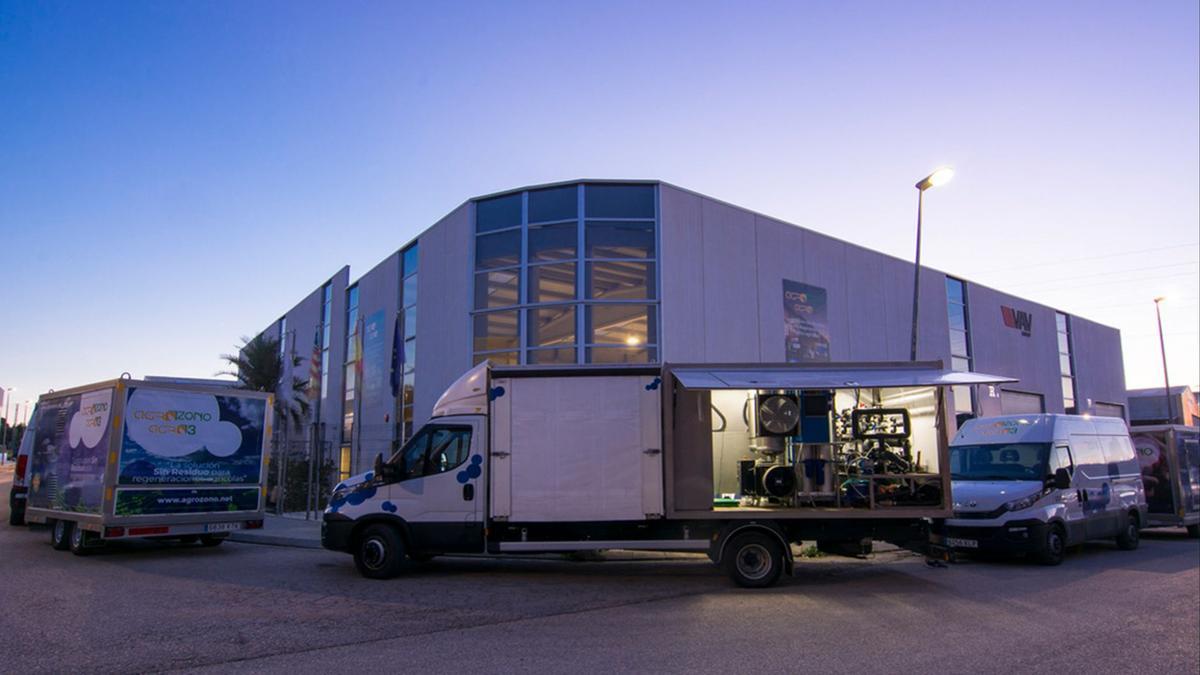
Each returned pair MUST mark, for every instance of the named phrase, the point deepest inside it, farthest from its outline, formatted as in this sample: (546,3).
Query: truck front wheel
(60,534)
(379,552)
(753,560)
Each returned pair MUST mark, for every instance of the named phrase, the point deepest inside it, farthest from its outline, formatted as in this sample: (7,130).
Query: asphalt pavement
(246,607)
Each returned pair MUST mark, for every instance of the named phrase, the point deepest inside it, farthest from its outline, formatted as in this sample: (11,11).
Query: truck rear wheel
(60,534)
(379,552)
(210,540)
(1193,531)
(753,560)
(1130,536)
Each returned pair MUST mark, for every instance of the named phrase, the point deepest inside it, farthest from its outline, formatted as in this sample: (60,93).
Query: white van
(1039,483)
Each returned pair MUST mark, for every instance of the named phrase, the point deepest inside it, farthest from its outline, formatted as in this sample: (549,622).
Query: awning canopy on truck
(842,377)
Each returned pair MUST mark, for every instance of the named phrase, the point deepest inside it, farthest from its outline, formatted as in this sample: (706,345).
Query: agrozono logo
(1015,318)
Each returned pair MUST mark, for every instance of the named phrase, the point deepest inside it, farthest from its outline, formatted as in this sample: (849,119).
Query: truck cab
(1037,484)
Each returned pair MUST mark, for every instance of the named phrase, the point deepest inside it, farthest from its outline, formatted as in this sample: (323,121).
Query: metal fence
(300,476)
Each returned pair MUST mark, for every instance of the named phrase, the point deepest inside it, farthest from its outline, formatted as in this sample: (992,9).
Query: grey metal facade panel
(1099,365)
(444,297)
(998,348)
(730,285)
(331,401)
(683,319)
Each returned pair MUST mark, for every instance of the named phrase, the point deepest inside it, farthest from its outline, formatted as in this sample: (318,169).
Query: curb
(274,540)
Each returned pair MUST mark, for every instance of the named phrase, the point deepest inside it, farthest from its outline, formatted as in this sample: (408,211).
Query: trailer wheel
(210,540)
(1129,537)
(1055,546)
(753,560)
(1193,531)
(60,534)
(379,552)
(80,541)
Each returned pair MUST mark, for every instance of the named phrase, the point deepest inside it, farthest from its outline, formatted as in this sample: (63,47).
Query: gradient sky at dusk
(174,175)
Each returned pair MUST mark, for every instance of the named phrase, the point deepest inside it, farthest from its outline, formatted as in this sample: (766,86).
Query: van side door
(1071,506)
(1095,487)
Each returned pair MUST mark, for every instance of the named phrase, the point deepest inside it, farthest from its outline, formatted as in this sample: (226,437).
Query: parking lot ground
(250,608)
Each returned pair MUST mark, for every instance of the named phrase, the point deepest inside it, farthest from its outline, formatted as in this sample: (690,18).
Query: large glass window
(432,451)
(960,344)
(326,326)
(408,346)
(350,381)
(1065,361)
(557,283)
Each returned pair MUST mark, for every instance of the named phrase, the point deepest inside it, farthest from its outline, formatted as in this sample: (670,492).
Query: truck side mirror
(379,466)
(1062,479)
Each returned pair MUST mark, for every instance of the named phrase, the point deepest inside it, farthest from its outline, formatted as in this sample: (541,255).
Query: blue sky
(155,156)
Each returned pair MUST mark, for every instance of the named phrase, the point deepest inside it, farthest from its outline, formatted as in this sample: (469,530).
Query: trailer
(1170,459)
(130,459)
(735,461)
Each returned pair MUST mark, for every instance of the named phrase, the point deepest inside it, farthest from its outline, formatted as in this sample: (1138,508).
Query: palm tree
(259,366)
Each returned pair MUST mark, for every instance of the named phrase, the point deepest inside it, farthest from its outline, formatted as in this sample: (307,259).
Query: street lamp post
(938,177)
(7,417)
(1162,346)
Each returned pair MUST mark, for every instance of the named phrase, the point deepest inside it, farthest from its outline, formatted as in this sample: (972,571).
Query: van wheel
(80,541)
(1054,547)
(60,534)
(16,516)
(753,560)
(1193,531)
(379,552)
(1130,537)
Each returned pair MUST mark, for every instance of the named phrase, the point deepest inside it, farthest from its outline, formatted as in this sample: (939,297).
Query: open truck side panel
(126,458)
(1170,461)
(520,460)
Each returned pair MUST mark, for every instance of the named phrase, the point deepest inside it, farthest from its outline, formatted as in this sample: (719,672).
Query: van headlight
(1023,503)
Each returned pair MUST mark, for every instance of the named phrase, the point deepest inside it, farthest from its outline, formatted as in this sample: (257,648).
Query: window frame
(582,265)
(428,431)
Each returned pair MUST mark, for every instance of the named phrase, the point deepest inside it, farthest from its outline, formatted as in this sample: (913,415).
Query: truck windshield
(999,461)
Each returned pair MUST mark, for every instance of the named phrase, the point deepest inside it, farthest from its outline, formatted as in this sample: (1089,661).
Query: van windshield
(999,461)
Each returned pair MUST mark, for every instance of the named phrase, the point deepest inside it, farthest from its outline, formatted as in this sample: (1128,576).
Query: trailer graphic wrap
(177,437)
(132,502)
(67,460)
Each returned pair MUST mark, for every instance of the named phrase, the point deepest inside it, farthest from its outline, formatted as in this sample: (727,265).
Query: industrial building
(600,272)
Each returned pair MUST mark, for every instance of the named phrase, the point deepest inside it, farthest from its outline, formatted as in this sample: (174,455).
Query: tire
(211,540)
(60,534)
(1054,548)
(80,541)
(16,515)
(753,560)
(379,552)
(1130,537)
(1193,531)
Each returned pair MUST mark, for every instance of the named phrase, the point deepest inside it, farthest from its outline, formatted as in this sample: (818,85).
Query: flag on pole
(358,350)
(396,342)
(314,368)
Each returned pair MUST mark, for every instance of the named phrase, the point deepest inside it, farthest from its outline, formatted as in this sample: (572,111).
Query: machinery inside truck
(861,448)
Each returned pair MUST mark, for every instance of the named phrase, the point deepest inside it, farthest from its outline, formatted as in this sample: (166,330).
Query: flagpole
(287,424)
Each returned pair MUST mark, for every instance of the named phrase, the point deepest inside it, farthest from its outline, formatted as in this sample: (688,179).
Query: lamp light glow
(633,341)
(940,176)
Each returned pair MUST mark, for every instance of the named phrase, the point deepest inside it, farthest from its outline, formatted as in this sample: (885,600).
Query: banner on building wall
(374,355)
(805,323)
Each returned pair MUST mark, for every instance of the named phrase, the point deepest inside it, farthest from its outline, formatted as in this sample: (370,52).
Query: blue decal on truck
(474,470)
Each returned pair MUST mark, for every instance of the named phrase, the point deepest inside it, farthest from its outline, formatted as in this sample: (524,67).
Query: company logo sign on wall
(1017,320)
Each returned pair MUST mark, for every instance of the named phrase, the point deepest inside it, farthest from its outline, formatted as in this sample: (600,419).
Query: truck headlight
(1023,503)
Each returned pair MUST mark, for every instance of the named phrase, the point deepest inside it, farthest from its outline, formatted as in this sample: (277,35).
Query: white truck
(736,461)
(1170,461)
(128,459)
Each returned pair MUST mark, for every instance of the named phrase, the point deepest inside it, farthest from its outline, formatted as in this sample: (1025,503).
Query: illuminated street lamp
(940,176)
(1162,346)
(7,416)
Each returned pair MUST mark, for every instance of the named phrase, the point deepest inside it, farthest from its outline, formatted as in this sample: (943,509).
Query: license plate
(954,542)
(222,527)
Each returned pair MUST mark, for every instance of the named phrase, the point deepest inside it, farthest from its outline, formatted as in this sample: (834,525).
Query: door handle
(468,492)
(652,451)
(500,454)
